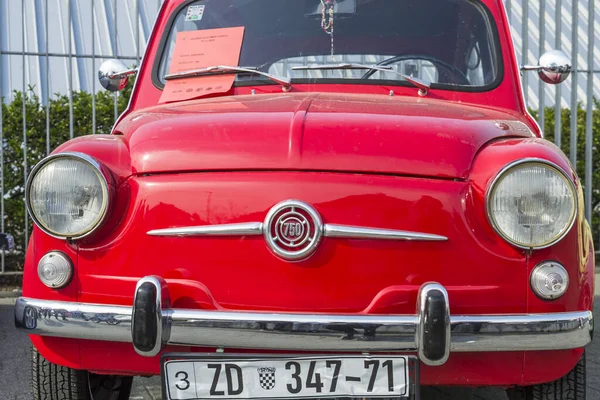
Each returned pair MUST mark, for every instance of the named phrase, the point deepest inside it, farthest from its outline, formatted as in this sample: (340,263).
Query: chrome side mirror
(553,67)
(114,75)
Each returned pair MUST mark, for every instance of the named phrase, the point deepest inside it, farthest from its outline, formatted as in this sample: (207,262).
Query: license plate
(198,378)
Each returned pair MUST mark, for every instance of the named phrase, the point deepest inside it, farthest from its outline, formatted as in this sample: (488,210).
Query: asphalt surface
(15,373)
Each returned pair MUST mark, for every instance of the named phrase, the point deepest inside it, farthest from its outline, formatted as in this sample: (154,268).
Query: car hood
(317,132)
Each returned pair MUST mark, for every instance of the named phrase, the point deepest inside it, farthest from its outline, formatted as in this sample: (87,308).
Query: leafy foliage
(14,176)
(36,147)
(565,140)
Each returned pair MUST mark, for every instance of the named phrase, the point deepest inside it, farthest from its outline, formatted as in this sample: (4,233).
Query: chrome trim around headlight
(506,169)
(98,168)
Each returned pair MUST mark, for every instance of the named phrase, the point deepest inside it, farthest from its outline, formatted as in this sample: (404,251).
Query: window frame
(487,14)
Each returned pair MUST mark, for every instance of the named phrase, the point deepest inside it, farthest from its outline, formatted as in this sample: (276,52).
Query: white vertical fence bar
(525,47)
(558,94)
(574,99)
(70,78)
(542,48)
(24,97)
(589,114)
(116,51)
(93,69)
(47,82)
(137,32)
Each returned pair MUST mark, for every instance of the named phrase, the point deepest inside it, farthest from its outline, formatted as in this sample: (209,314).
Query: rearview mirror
(554,67)
(114,75)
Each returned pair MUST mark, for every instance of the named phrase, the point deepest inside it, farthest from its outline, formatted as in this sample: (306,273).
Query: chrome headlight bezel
(107,193)
(547,164)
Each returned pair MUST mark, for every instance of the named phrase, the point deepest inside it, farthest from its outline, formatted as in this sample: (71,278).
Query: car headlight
(532,203)
(67,195)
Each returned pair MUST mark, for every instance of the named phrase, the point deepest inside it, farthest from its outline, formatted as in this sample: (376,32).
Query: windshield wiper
(423,85)
(286,83)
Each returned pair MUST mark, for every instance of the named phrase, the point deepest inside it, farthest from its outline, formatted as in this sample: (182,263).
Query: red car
(313,199)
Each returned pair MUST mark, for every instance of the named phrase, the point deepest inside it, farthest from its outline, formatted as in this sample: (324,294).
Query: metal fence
(58,45)
(572,26)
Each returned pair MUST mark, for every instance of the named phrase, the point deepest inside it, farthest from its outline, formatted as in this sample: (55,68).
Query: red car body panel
(425,162)
(316,131)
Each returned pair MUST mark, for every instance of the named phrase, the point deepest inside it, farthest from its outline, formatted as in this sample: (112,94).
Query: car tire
(54,382)
(569,387)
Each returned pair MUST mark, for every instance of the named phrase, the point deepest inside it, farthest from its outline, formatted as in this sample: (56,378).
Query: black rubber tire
(54,382)
(570,387)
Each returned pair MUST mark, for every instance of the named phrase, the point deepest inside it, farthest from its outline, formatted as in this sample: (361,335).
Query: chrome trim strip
(322,230)
(293,331)
(329,230)
(243,229)
(557,331)
(358,332)
(73,320)
(356,232)
(421,310)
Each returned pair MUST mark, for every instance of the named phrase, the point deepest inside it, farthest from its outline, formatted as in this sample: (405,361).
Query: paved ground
(15,374)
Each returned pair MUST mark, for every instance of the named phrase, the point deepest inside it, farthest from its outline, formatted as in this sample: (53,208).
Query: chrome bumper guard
(432,332)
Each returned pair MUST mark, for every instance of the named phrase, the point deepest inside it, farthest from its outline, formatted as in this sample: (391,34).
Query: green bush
(12,119)
(565,141)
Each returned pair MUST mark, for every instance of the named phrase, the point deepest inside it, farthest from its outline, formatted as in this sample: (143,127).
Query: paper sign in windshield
(201,49)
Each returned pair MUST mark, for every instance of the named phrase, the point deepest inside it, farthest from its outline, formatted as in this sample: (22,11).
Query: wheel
(569,387)
(53,382)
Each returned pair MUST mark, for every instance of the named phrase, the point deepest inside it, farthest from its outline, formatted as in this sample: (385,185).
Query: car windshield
(451,43)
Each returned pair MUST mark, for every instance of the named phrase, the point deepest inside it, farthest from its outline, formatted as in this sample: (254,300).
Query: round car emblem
(293,230)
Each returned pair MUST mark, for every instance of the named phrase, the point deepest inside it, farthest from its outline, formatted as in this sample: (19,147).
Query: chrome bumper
(432,332)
